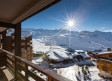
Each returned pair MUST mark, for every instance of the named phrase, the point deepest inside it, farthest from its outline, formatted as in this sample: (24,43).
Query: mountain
(84,40)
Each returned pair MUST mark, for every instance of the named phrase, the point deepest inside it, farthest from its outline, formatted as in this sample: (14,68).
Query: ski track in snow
(98,44)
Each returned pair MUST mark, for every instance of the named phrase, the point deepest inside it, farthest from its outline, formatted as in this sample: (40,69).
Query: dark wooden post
(17,45)
(26,72)
(26,48)
(4,40)
(18,39)
(3,56)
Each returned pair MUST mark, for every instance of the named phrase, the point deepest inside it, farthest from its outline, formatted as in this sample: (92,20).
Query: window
(104,68)
(110,55)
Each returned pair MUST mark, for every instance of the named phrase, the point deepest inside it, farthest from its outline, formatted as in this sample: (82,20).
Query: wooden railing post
(4,46)
(18,40)
(4,40)
(26,48)
(15,70)
(17,44)
(26,72)
(50,79)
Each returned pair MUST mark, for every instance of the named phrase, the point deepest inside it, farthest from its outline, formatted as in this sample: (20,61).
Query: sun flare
(70,23)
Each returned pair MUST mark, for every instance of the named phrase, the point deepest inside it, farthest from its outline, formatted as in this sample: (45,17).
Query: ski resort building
(12,14)
(59,54)
(104,64)
(26,45)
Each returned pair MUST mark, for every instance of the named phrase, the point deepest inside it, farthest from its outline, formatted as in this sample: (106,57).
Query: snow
(105,74)
(57,53)
(38,46)
(106,59)
(55,47)
(53,56)
(84,40)
(85,55)
(69,72)
(72,71)
(105,52)
(79,50)
(37,60)
(62,54)
(54,52)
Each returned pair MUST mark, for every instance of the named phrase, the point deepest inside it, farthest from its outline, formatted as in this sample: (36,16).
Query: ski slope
(84,40)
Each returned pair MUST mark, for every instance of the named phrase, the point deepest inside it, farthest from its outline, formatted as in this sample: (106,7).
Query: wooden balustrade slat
(12,60)
(10,69)
(20,66)
(20,75)
(34,76)
(10,64)
(26,72)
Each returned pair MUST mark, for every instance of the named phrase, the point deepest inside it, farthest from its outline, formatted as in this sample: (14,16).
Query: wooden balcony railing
(16,65)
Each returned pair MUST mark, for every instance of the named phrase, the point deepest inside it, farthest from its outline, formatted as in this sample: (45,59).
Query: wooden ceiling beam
(3,31)
(7,25)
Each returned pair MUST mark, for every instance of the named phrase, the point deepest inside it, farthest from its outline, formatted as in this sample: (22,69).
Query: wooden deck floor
(6,75)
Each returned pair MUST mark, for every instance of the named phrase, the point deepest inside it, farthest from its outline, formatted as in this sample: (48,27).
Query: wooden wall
(104,65)
(9,43)
(26,46)
(106,56)
(3,58)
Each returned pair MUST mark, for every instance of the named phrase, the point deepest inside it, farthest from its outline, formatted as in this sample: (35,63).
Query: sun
(70,23)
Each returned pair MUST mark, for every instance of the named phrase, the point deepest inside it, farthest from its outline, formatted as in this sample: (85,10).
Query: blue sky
(90,15)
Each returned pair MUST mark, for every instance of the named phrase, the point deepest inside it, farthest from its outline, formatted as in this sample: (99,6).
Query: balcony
(13,65)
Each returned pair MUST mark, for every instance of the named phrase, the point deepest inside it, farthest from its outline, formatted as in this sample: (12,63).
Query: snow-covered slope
(55,44)
(73,72)
(84,40)
(56,53)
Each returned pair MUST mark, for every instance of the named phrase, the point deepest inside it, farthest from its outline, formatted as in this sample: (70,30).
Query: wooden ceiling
(15,11)
(2,29)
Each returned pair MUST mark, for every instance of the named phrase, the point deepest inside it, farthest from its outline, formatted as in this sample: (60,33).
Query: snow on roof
(106,59)
(23,33)
(79,50)
(85,55)
(62,54)
(74,54)
(105,52)
(9,33)
(52,55)
(26,33)
(82,54)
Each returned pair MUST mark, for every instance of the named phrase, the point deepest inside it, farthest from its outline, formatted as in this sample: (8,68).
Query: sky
(89,15)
